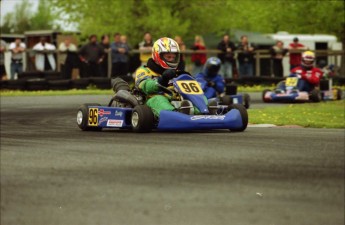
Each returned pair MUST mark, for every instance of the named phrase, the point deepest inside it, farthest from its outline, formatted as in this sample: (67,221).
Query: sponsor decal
(102,120)
(102,112)
(118,113)
(114,123)
(208,117)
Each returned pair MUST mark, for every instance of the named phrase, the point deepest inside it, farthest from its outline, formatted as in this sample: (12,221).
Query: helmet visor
(170,57)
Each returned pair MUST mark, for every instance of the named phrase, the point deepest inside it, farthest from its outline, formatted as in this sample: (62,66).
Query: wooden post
(257,63)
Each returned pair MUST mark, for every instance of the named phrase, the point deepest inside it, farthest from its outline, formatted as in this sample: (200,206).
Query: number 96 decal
(93,116)
(189,87)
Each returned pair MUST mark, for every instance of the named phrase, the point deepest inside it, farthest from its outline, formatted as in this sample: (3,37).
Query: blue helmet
(212,66)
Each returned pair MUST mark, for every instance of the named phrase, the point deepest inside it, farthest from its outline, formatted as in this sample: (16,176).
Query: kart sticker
(103,112)
(291,81)
(191,87)
(114,123)
(208,117)
(102,120)
(93,117)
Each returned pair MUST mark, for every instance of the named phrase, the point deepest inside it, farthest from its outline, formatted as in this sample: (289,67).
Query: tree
(188,18)
(23,19)
(18,21)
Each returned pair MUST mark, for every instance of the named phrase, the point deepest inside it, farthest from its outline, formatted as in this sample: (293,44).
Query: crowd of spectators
(92,59)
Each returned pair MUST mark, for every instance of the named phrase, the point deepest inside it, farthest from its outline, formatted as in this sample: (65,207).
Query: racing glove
(166,76)
(211,84)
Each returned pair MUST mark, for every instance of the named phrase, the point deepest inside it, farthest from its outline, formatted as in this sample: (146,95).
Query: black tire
(83,116)
(339,93)
(119,84)
(142,119)
(246,100)
(315,96)
(244,115)
(263,95)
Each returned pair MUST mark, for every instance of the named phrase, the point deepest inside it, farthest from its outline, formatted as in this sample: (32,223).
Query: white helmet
(166,45)
(308,58)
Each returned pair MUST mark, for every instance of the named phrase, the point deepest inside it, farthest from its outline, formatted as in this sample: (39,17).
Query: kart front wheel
(142,119)
(244,116)
(263,95)
(246,100)
(83,117)
(315,95)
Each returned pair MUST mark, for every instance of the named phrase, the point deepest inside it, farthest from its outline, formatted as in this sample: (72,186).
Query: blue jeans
(226,70)
(16,68)
(246,69)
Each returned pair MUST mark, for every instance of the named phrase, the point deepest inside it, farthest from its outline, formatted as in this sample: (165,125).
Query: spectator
(295,57)
(245,57)
(105,43)
(91,55)
(126,62)
(180,42)
(227,56)
(146,45)
(277,54)
(69,58)
(198,59)
(44,55)
(2,60)
(119,56)
(17,48)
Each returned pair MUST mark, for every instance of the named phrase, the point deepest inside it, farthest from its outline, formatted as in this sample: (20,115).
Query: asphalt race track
(53,173)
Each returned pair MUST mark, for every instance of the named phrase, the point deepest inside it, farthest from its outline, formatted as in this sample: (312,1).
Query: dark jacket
(245,56)
(226,56)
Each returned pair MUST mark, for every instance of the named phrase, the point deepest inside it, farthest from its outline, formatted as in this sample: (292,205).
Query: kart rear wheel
(315,95)
(120,84)
(263,95)
(244,116)
(83,117)
(246,100)
(142,119)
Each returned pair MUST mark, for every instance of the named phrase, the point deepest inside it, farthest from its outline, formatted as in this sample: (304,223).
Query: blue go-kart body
(226,99)
(140,118)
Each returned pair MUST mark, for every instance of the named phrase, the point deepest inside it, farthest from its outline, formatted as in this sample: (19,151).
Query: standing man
(246,57)
(69,59)
(119,55)
(2,60)
(91,55)
(145,46)
(295,57)
(105,43)
(277,54)
(227,56)
(17,48)
(44,57)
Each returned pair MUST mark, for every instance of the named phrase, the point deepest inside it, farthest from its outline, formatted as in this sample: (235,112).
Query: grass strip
(329,114)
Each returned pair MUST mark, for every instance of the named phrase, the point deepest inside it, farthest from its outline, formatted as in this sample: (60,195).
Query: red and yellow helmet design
(161,47)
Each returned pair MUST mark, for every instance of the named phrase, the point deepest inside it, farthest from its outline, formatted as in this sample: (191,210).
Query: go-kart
(290,93)
(229,97)
(127,110)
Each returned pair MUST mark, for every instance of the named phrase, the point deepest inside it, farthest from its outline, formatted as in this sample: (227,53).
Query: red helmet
(166,53)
